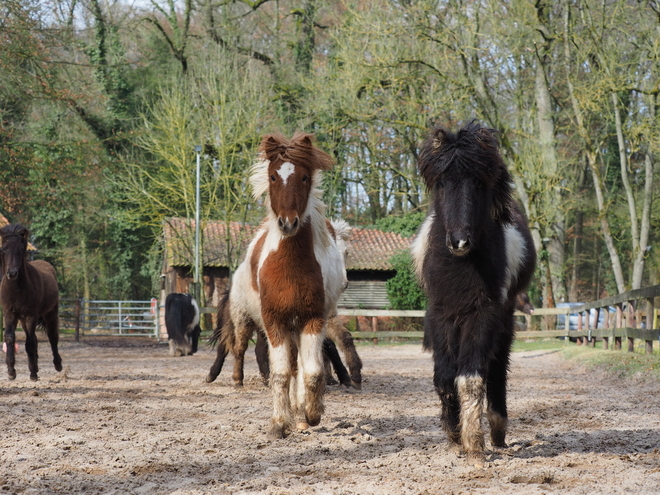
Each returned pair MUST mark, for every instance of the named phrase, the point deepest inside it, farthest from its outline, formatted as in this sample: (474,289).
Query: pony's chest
(18,300)
(290,282)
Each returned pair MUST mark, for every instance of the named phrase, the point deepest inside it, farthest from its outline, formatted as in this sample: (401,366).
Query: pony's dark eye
(272,178)
(304,178)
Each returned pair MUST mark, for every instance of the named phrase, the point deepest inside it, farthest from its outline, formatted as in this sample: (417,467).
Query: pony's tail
(223,333)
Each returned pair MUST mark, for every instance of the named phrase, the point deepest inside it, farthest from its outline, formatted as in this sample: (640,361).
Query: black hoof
(34,377)
(12,376)
(210,378)
(58,366)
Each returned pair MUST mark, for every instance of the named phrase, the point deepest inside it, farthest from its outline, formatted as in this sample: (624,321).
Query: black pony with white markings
(473,254)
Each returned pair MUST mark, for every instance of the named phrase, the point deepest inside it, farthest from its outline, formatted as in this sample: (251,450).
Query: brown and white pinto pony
(291,278)
(474,254)
(235,338)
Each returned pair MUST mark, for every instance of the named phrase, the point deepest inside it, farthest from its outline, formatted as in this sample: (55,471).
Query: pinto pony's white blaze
(285,171)
(292,276)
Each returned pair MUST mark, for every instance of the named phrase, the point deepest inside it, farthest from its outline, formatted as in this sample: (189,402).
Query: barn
(224,244)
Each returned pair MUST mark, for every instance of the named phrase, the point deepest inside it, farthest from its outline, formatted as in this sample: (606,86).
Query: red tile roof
(368,249)
(180,242)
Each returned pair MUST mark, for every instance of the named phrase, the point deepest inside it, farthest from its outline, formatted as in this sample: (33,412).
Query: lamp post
(196,289)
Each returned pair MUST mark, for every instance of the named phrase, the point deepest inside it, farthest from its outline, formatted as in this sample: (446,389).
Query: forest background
(102,103)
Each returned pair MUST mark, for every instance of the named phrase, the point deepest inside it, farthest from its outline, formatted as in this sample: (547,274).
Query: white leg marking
(471,395)
(280,377)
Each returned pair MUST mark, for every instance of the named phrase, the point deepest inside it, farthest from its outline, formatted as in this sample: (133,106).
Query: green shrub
(403,291)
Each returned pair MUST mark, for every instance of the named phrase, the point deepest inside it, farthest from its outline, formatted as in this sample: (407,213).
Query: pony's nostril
(295,223)
(280,222)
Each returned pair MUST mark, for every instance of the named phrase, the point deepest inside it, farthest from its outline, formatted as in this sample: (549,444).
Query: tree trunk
(591,154)
(649,165)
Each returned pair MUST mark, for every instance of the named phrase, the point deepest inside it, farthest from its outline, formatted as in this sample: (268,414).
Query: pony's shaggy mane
(14,229)
(475,151)
(342,229)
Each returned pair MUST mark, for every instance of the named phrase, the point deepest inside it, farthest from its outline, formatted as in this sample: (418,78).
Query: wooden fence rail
(631,315)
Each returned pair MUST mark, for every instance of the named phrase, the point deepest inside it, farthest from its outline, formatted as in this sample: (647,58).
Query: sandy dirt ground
(129,419)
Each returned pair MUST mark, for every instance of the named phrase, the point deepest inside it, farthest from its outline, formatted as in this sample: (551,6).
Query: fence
(631,315)
(110,318)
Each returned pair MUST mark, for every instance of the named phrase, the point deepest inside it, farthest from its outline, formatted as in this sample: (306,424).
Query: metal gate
(119,318)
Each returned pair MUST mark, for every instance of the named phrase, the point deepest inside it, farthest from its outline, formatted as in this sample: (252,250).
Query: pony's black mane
(474,151)
(13,229)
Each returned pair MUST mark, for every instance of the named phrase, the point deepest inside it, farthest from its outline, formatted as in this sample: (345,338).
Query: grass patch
(537,344)
(618,363)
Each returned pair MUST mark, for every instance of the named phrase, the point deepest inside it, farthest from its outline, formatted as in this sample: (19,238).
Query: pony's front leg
(313,379)
(496,384)
(280,377)
(10,342)
(476,344)
(30,327)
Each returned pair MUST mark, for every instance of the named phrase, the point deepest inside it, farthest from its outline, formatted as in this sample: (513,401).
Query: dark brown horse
(29,293)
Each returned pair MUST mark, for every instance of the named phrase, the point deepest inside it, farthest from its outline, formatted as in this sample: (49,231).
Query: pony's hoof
(476,459)
(11,376)
(210,378)
(238,385)
(34,377)
(455,448)
(58,366)
(313,420)
(497,439)
(356,385)
(276,432)
(302,425)
(500,444)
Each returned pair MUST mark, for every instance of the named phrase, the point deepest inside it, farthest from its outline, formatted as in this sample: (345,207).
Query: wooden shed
(224,243)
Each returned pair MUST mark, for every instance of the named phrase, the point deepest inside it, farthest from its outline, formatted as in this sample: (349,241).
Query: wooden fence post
(617,325)
(650,321)
(77,319)
(630,323)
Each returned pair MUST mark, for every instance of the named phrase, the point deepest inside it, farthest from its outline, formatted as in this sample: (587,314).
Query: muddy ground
(129,419)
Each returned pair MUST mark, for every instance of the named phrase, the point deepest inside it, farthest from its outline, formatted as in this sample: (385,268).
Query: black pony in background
(473,254)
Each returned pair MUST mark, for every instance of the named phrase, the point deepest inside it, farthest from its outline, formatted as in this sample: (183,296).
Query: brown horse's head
(14,248)
(290,168)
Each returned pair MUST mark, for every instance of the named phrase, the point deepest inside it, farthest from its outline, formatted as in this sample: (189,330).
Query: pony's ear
(305,143)
(272,145)
(429,156)
(304,139)
(487,138)
(439,138)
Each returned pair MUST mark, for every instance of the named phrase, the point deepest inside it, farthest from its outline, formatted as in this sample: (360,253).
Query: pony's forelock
(474,148)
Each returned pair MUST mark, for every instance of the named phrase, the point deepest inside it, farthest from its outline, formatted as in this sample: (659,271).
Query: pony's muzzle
(288,227)
(12,273)
(459,242)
